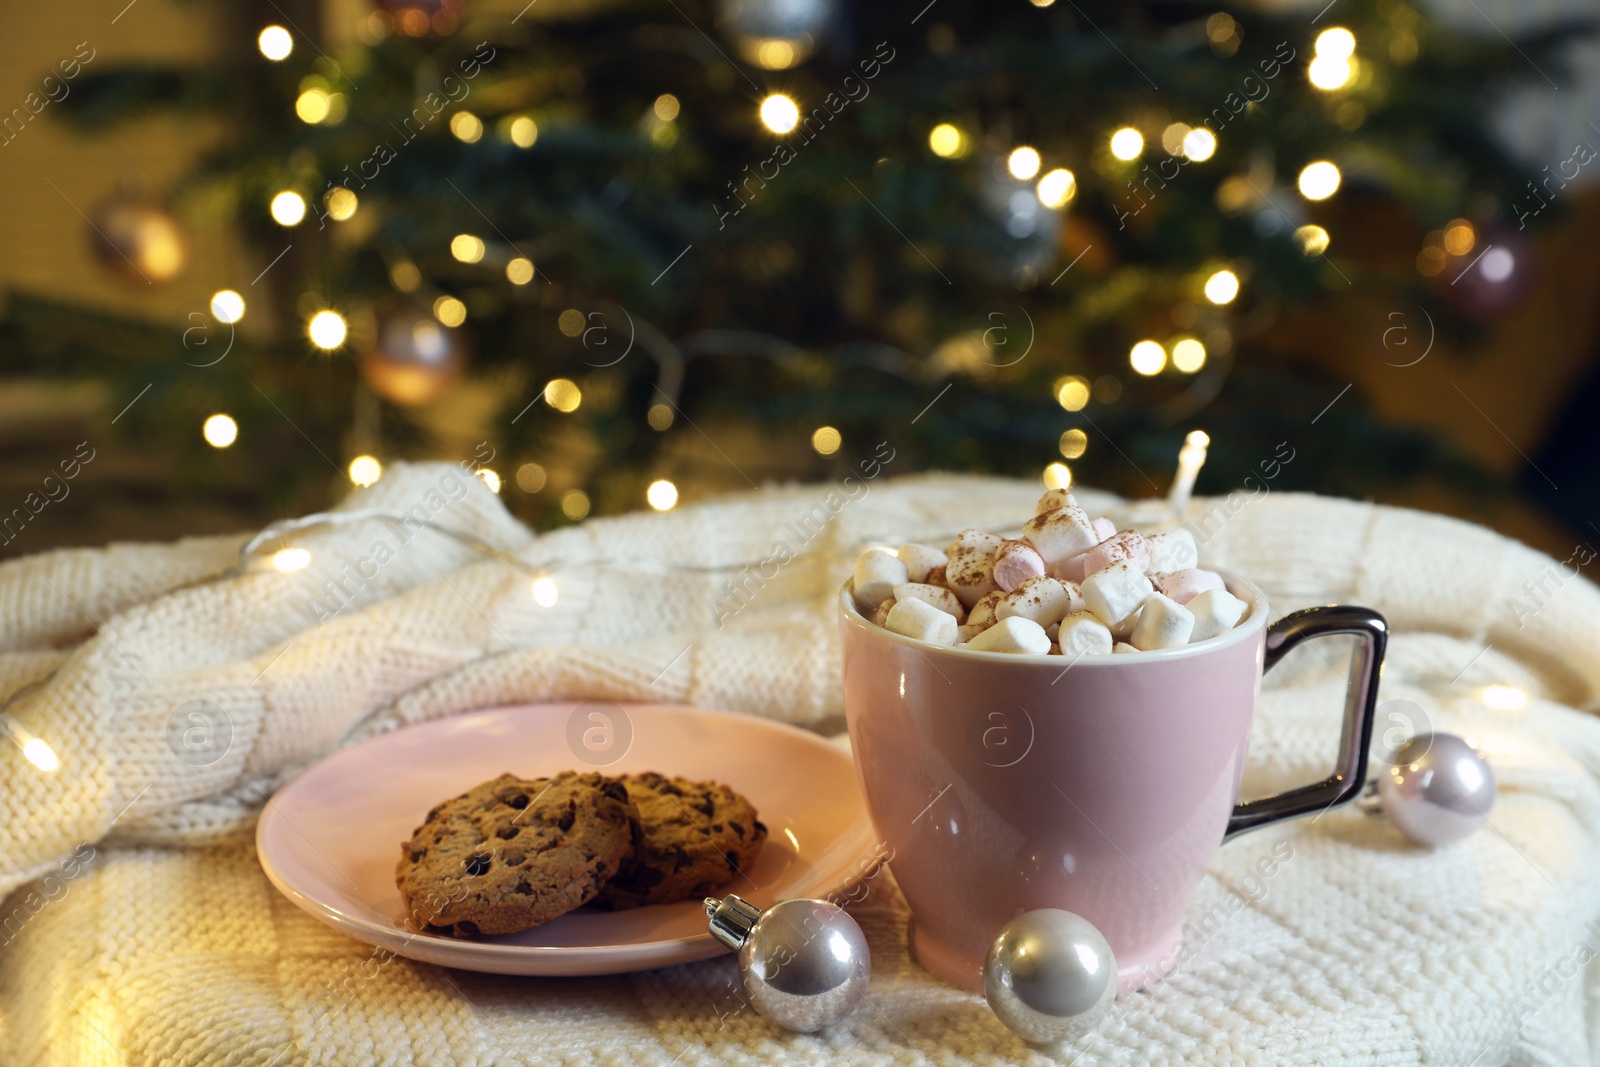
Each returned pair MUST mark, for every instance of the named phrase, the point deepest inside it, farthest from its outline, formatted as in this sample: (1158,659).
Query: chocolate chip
(680,858)
(761,828)
(615,790)
(733,861)
(417,854)
(477,864)
(512,858)
(468,928)
(432,815)
(737,827)
(519,801)
(600,869)
(524,888)
(508,832)
(567,817)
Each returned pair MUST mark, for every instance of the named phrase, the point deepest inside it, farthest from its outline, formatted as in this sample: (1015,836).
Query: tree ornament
(1050,976)
(776,34)
(804,963)
(1490,278)
(414,358)
(1438,789)
(138,239)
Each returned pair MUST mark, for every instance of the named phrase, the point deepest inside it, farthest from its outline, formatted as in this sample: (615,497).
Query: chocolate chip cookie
(697,836)
(513,853)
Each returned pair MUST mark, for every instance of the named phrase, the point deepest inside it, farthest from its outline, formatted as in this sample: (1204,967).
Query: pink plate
(329,840)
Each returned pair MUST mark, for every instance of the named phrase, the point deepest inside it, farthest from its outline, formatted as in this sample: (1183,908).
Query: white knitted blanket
(140,930)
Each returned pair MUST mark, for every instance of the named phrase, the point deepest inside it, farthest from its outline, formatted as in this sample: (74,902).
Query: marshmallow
(922,621)
(939,597)
(1015,634)
(1054,500)
(1215,611)
(970,573)
(1127,545)
(920,560)
(1122,629)
(1116,592)
(1183,586)
(1164,623)
(881,615)
(1074,596)
(1123,646)
(1082,634)
(877,573)
(1053,631)
(1103,527)
(937,577)
(987,542)
(1044,600)
(966,631)
(1061,533)
(1069,569)
(1172,550)
(982,614)
(1014,563)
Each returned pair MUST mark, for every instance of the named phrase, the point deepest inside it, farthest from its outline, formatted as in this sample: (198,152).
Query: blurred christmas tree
(718,241)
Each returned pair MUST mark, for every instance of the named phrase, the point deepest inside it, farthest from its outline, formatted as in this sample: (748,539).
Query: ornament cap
(732,919)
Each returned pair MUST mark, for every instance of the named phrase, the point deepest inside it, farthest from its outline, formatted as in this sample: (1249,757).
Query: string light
(466,126)
(227,306)
(660,417)
(1313,239)
(826,440)
(666,107)
(946,141)
(1199,144)
(570,322)
(519,271)
(1057,476)
(288,208)
(489,478)
(524,131)
(1319,180)
(466,248)
(1127,143)
(449,311)
(1330,72)
(1147,358)
(1222,287)
(563,394)
(365,470)
(662,495)
(289,560)
(1072,392)
(1172,137)
(327,330)
(545,592)
(220,431)
(1188,355)
(275,43)
(311,106)
(1023,163)
(531,477)
(1336,43)
(779,113)
(1057,188)
(341,203)
(1459,237)
(1504,697)
(575,504)
(1073,443)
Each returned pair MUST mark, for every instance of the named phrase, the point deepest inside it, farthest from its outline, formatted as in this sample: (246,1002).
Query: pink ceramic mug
(1102,786)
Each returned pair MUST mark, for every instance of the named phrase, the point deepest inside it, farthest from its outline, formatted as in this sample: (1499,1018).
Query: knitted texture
(140,930)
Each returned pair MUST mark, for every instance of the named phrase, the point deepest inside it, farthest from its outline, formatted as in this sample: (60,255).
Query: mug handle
(1360,708)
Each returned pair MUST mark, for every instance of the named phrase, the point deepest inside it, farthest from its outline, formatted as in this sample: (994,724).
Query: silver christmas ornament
(776,34)
(1437,789)
(804,963)
(1050,975)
